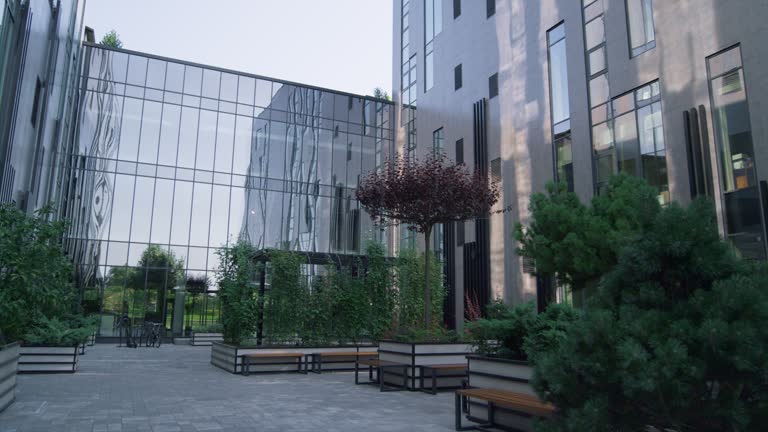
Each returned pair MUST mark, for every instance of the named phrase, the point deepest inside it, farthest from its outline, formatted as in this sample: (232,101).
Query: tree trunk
(427,287)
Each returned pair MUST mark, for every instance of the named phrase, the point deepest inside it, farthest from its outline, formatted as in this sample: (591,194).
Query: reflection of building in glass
(174,160)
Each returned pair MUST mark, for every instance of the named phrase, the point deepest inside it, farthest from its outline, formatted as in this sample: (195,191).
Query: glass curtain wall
(175,160)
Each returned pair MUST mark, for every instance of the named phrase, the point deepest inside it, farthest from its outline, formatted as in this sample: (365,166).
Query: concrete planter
(501,374)
(228,357)
(48,359)
(9,363)
(416,354)
(206,339)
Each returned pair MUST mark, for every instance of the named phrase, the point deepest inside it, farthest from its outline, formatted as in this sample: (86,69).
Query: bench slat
(519,401)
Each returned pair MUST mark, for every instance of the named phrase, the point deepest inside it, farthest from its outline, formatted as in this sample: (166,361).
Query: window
(490,7)
(642,36)
(496,170)
(632,140)
(438,140)
(456,8)
(460,151)
(457,78)
(433,25)
(733,136)
(493,86)
(560,105)
(36,101)
(349,103)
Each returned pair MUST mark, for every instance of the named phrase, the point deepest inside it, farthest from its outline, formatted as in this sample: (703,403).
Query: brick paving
(176,389)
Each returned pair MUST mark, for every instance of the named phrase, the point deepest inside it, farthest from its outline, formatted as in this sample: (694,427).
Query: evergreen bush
(674,335)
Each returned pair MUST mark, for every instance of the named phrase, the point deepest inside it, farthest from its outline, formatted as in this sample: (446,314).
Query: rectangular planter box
(206,339)
(501,374)
(227,357)
(415,354)
(9,360)
(48,359)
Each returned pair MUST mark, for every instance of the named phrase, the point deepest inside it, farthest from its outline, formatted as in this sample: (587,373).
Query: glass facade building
(174,160)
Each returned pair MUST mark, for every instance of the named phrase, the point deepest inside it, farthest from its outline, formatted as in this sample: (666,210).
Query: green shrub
(518,332)
(237,275)
(409,279)
(433,335)
(675,337)
(64,332)
(35,280)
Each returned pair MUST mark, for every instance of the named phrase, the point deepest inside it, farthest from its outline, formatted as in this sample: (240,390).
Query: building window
(433,25)
(733,136)
(642,36)
(457,78)
(493,86)
(496,170)
(560,105)
(632,141)
(350,102)
(456,8)
(438,139)
(36,101)
(490,7)
(460,151)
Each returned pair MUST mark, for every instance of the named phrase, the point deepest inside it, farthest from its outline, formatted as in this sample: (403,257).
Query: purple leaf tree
(423,193)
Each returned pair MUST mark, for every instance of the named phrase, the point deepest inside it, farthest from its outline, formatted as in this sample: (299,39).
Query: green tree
(423,194)
(35,275)
(237,275)
(675,336)
(579,243)
(380,93)
(112,40)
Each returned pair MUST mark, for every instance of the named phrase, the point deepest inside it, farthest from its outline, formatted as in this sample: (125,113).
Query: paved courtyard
(175,388)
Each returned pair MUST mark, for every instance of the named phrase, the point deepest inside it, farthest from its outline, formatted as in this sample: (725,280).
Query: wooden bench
(381,367)
(246,360)
(317,358)
(516,401)
(455,370)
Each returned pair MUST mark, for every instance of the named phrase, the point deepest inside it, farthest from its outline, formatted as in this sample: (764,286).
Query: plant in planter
(236,275)
(422,194)
(37,299)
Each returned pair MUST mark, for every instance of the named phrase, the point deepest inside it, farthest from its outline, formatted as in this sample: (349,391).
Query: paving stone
(176,389)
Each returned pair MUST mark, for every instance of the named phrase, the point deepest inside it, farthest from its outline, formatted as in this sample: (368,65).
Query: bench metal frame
(381,370)
(434,377)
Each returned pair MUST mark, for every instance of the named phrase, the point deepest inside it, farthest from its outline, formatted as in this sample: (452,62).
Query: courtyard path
(176,389)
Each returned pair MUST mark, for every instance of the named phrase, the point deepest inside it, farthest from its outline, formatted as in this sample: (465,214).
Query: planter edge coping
(499,360)
(424,343)
(289,346)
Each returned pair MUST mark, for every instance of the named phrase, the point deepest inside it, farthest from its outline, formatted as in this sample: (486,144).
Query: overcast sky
(339,44)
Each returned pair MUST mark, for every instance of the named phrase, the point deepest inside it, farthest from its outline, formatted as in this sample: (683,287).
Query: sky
(338,44)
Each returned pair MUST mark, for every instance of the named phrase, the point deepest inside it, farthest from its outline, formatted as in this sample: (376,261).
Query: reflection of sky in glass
(203,157)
